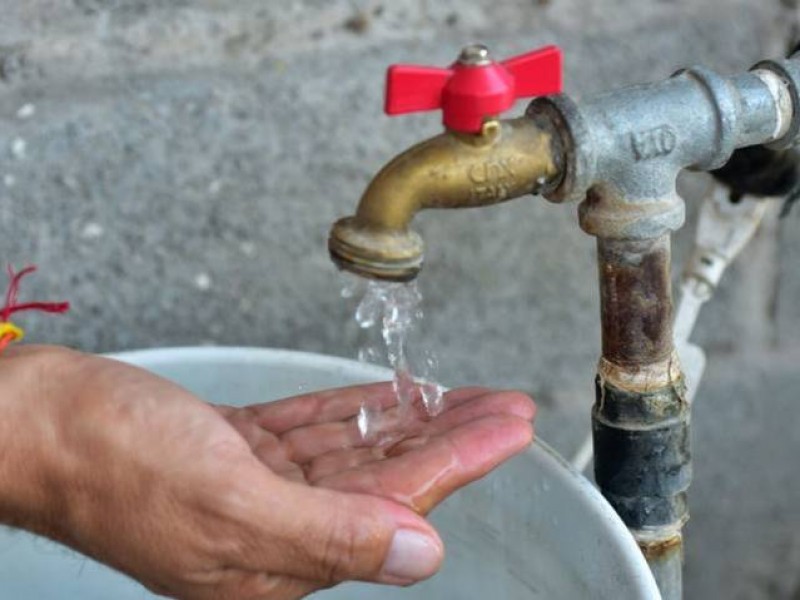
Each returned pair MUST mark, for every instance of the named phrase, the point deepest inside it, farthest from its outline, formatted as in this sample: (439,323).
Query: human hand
(267,502)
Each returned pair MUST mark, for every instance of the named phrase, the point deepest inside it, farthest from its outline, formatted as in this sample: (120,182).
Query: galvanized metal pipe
(623,153)
(666,563)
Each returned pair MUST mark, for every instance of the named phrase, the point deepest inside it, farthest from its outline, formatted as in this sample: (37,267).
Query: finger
(281,588)
(261,586)
(500,403)
(326,536)
(303,444)
(271,453)
(342,460)
(510,403)
(422,477)
(321,407)
(265,445)
(333,405)
(234,584)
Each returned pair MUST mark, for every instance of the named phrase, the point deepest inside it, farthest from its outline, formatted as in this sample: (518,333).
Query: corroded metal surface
(635,300)
(643,454)
(641,417)
(641,378)
(665,557)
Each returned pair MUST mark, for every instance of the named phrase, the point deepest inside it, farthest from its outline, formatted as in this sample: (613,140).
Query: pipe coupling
(623,150)
(786,94)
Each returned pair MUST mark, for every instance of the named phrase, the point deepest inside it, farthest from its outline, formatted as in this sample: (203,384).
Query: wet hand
(315,440)
(266,502)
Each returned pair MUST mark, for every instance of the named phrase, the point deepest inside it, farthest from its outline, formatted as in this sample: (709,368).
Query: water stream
(391,316)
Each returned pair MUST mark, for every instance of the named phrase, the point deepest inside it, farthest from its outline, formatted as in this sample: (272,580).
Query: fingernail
(412,556)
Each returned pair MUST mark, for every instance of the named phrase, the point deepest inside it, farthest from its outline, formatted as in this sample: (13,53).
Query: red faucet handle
(475,87)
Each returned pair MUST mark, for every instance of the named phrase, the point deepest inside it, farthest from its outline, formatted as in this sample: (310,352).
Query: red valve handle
(474,88)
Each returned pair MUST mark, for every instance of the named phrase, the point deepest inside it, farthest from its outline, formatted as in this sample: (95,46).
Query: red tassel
(11,307)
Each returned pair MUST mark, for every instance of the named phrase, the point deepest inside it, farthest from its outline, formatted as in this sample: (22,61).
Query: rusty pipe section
(665,558)
(640,420)
(506,160)
(635,302)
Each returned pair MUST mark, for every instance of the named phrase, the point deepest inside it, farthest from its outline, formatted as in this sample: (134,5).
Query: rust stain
(642,378)
(636,300)
(660,549)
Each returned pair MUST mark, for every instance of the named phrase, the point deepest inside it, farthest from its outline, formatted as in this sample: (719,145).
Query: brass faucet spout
(507,159)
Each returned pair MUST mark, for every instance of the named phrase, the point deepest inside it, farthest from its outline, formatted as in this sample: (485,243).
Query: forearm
(32,494)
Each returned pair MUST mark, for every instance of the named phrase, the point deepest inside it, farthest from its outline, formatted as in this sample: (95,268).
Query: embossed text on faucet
(492,180)
(653,143)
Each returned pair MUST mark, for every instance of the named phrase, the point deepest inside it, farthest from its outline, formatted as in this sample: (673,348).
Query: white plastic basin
(532,529)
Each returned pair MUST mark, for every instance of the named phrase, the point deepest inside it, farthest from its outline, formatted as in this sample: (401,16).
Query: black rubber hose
(759,171)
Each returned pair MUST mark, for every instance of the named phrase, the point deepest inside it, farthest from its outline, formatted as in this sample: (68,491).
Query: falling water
(390,314)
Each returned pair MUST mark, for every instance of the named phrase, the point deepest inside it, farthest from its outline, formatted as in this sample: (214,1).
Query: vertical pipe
(635,300)
(666,563)
(641,417)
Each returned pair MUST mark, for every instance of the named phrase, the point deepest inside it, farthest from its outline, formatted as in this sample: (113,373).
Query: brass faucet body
(507,159)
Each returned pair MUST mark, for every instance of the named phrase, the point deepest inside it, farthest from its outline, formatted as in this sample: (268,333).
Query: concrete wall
(173,168)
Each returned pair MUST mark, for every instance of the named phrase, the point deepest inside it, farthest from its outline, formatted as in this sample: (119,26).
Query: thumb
(328,536)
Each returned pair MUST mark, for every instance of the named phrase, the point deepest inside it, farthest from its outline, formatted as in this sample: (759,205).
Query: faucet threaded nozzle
(375,253)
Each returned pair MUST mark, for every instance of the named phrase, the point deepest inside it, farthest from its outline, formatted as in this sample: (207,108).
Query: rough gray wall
(173,168)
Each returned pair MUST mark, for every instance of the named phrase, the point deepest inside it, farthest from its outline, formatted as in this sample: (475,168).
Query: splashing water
(391,312)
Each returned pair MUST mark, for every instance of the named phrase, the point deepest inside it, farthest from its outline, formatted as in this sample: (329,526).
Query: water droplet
(352,285)
(432,397)
(369,354)
(370,308)
(368,420)
(405,388)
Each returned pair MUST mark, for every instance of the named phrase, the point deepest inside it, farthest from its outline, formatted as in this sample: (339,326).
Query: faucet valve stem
(475,55)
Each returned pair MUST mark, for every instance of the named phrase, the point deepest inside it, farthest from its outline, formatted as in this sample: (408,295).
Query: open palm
(315,439)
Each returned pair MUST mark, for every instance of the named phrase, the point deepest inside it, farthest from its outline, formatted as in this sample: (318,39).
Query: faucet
(479,160)
(619,155)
